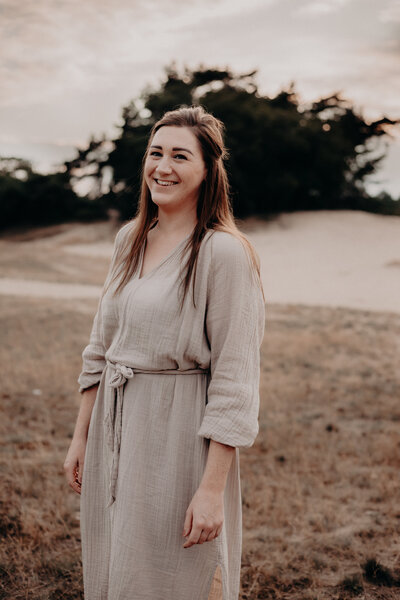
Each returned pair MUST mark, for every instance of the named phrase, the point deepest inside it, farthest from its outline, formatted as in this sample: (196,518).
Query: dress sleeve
(235,323)
(93,356)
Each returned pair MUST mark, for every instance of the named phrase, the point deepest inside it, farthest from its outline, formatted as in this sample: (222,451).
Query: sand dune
(331,258)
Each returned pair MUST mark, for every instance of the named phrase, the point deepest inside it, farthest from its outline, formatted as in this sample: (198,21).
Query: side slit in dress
(216,586)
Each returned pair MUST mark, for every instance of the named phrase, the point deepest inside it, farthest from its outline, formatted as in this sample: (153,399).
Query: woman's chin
(163,197)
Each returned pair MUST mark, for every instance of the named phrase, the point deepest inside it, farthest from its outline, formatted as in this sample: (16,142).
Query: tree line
(283,156)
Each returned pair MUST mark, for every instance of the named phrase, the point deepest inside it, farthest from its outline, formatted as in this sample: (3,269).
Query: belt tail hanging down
(113,412)
(113,422)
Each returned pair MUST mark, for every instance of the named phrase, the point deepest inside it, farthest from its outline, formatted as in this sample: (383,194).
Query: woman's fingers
(77,480)
(76,487)
(71,473)
(194,536)
(187,526)
(212,535)
(201,534)
(204,518)
(73,464)
(74,484)
(205,533)
(80,472)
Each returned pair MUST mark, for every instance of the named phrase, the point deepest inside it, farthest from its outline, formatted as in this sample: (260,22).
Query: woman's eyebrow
(174,149)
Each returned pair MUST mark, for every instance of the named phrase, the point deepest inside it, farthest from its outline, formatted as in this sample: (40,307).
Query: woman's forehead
(171,136)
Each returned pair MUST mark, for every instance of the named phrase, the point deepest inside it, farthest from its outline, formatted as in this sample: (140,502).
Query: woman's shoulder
(124,231)
(234,254)
(227,247)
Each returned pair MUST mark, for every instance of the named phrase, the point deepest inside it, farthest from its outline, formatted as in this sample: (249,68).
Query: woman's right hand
(73,464)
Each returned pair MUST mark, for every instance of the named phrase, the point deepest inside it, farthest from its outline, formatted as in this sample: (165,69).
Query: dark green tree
(283,156)
(28,198)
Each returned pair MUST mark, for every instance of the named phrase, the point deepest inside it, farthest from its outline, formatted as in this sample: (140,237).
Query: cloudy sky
(68,66)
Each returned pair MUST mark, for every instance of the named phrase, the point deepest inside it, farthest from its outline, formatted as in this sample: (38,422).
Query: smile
(165,183)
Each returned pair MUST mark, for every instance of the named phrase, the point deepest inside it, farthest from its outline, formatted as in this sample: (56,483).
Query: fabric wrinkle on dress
(150,427)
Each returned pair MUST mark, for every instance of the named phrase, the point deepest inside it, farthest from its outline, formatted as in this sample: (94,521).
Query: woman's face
(174,157)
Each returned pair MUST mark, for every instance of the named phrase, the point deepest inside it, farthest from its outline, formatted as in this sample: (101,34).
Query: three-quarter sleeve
(93,356)
(235,323)
(93,361)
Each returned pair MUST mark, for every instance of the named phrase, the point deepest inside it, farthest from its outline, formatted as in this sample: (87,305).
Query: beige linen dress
(169,382)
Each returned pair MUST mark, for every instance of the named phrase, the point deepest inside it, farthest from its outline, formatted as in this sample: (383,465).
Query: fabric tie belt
(113,412)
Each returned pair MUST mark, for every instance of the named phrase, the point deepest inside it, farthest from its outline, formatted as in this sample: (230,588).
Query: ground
(320,486)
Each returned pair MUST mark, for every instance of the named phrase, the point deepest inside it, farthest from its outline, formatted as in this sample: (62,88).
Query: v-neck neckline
(164,260)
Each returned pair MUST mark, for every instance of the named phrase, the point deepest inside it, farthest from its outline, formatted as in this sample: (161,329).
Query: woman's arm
(73,464)
(218,464)
(205,514)
(235,321)
(85,413)
(93,356)
(94,362)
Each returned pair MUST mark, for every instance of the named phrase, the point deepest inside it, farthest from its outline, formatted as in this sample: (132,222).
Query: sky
(67,67)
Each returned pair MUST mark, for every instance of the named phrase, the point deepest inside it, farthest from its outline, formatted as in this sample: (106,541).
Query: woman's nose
(164,166)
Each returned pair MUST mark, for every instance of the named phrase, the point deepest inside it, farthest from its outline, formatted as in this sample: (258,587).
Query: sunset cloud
(390,13)
(68,67)
(319,7)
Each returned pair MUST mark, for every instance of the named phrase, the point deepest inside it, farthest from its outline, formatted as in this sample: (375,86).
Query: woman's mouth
(165,182)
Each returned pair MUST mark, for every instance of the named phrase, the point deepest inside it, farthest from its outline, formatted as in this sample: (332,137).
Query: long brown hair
(214,209)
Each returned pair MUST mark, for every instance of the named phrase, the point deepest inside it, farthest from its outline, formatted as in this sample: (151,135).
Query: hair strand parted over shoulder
(214,210)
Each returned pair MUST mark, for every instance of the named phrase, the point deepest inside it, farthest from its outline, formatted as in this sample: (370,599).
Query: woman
(170,382)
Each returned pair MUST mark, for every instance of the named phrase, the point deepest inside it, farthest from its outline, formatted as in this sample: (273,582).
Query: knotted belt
(113,411)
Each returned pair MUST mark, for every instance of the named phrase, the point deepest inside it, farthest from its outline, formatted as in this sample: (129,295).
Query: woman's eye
(176,155)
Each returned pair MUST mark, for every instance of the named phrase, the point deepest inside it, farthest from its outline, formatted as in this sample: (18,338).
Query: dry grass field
(320,487)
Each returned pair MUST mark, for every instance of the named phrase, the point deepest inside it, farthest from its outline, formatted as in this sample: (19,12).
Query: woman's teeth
(165,183)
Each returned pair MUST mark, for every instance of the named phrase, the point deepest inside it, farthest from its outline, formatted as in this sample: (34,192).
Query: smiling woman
(170,383)
(175,161)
